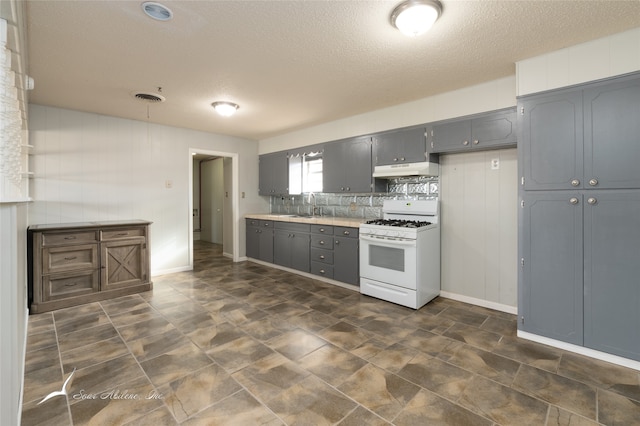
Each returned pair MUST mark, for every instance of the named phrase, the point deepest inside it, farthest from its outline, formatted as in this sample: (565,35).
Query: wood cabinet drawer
(322,229)
(64,238)
(61,286)
(322,269)
(322,256)
(117,234)
(62,259)
(322,241)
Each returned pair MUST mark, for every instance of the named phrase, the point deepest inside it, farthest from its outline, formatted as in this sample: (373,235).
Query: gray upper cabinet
(400,146)
(612,271)
(612,135)
(551,288)
(491,130)
(273,174)
(347,166)
(551,140)
(582,138)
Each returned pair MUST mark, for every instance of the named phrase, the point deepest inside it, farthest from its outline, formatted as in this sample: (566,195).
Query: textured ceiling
(288,64)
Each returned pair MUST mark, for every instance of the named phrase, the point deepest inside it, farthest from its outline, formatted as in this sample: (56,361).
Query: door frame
(234,200)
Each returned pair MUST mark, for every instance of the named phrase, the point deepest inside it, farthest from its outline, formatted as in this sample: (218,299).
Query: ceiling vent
(149,97)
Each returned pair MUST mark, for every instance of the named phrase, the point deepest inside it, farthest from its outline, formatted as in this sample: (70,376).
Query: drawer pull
(321,242)
(322,256)
(70,238)
(70,258)
(71,285)
(321,229)
(322,271)
(347,233)
(122,234)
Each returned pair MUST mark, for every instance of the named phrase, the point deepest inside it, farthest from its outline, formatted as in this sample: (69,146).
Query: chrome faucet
(315,210)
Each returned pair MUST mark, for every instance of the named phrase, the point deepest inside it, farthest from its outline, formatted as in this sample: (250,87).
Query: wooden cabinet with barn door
(72,264)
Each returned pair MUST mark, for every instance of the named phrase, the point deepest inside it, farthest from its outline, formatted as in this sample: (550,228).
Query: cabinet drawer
(322,269)
(117,234)
(322,229)
(322,241)
(61,286)
(322,256)
(292,226)
(346,231)
(56,239)
(62,259)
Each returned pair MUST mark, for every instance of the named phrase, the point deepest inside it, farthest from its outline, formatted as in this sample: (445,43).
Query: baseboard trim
(306,274)
(592,353)
(171,271)
(480,302)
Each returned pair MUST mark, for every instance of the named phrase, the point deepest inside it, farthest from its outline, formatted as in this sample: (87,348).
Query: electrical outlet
(495,163)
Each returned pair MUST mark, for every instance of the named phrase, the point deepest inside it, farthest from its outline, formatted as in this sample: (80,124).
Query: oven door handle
(389,241)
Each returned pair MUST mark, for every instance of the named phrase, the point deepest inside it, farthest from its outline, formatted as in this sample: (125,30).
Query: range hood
(406,169)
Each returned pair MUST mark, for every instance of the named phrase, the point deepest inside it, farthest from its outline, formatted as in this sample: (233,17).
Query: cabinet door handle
(593,182)
(401,158)
(575,182)
(476,142)
(593,201)
(465,143)
(70,258)
(395,159)
(573,200)
(337,242)
(348,189)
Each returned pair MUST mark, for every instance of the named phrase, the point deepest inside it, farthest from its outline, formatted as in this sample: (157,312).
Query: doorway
(213,200)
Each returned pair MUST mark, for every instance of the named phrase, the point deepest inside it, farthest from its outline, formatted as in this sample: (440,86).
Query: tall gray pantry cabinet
(579,278)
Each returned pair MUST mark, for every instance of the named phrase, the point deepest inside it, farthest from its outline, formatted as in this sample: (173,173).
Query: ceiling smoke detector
(149,97)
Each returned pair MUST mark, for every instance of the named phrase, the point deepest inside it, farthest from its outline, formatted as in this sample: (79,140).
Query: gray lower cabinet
(347,166)
(273,174)
(400,146)
(580,268)
(551,301)
(322,254)
(291,245)
(612,272)
(260,239)
(346,263)
(496,129)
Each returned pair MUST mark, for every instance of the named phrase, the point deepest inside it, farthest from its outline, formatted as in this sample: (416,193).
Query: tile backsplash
(367,205)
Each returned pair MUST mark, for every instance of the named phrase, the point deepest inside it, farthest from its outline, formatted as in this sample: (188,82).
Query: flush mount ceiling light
(157,11)
(226,109)
(415,17)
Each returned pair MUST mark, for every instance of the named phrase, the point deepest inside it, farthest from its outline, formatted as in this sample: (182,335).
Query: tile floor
(245,344)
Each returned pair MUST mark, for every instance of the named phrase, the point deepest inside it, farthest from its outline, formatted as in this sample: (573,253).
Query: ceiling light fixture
(415,17)
(226,109)
(157,11)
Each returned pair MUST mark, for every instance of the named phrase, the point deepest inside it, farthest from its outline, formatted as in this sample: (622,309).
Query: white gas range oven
(400,254)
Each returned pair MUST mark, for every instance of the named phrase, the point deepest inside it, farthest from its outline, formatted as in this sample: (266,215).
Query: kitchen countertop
(352,222)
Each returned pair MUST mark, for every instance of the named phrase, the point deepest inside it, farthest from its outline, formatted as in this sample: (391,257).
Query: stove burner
(400,223)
